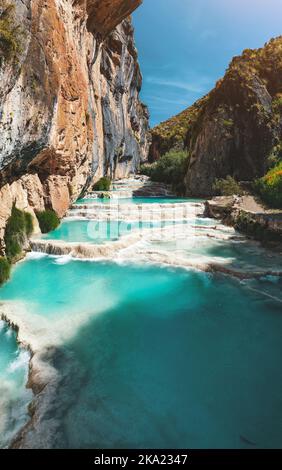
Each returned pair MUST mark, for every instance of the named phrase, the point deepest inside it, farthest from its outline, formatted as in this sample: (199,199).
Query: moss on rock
(103,184)
(5,269)
(10,32)
(19,227)
(48,220)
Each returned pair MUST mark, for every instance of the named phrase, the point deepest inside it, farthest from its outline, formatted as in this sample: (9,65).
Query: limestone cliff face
(239,129)
(69,100)
(236,129)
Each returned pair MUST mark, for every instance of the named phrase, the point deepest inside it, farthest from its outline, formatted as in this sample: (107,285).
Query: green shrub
(146,169)
(18,228)
(275,156)
(28,223)
(172,134)
(48,220)
(5,269)
(10,32)
(269,187)
(170,169)
(103,184)
(277,104)
(229,123)
(227,187)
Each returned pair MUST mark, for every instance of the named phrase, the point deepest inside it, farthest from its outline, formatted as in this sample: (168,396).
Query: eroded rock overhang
(105,15)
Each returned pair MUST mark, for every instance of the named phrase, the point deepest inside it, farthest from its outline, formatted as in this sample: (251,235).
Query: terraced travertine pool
(146,349)
(100,231)
(135,200)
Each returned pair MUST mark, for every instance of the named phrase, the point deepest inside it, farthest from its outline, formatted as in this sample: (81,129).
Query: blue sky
(185,46)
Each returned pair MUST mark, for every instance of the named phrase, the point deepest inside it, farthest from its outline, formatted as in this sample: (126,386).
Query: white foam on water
(184,245)
(42,332)
(14,396)
(2,325)
(35,255)
(20,362)
(64,259)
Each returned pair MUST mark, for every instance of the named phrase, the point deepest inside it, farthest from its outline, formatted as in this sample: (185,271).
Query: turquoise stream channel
(147,356)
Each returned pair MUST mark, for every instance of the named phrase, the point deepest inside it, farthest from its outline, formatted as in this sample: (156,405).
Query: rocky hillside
(174,133)
(236,129)
(69,100)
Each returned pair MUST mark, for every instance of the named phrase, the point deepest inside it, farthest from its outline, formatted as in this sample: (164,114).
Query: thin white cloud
(161,99)
(197,86)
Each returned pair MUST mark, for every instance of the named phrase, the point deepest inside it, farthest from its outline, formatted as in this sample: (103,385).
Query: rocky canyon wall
(70,110)
(236,129)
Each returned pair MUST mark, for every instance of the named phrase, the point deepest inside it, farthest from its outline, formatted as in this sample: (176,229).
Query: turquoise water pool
(240,254)
(93,231)
(156,357)
(147,356)
(137,200)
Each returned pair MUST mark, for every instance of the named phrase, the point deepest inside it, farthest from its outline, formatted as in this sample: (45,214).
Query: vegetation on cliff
(10,32)
(172,134)
(48,220)
(103,184)
(5,269)
(234,131)
(227,187)
(170,169)
(19,227)
(270,187)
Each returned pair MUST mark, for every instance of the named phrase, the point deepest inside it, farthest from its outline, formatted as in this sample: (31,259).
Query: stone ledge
(248,216)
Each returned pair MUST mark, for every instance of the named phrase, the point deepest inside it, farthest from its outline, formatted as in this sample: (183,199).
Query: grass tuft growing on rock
(18,228)
(28,223)
(48,220)
(104,184)
(5,269)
